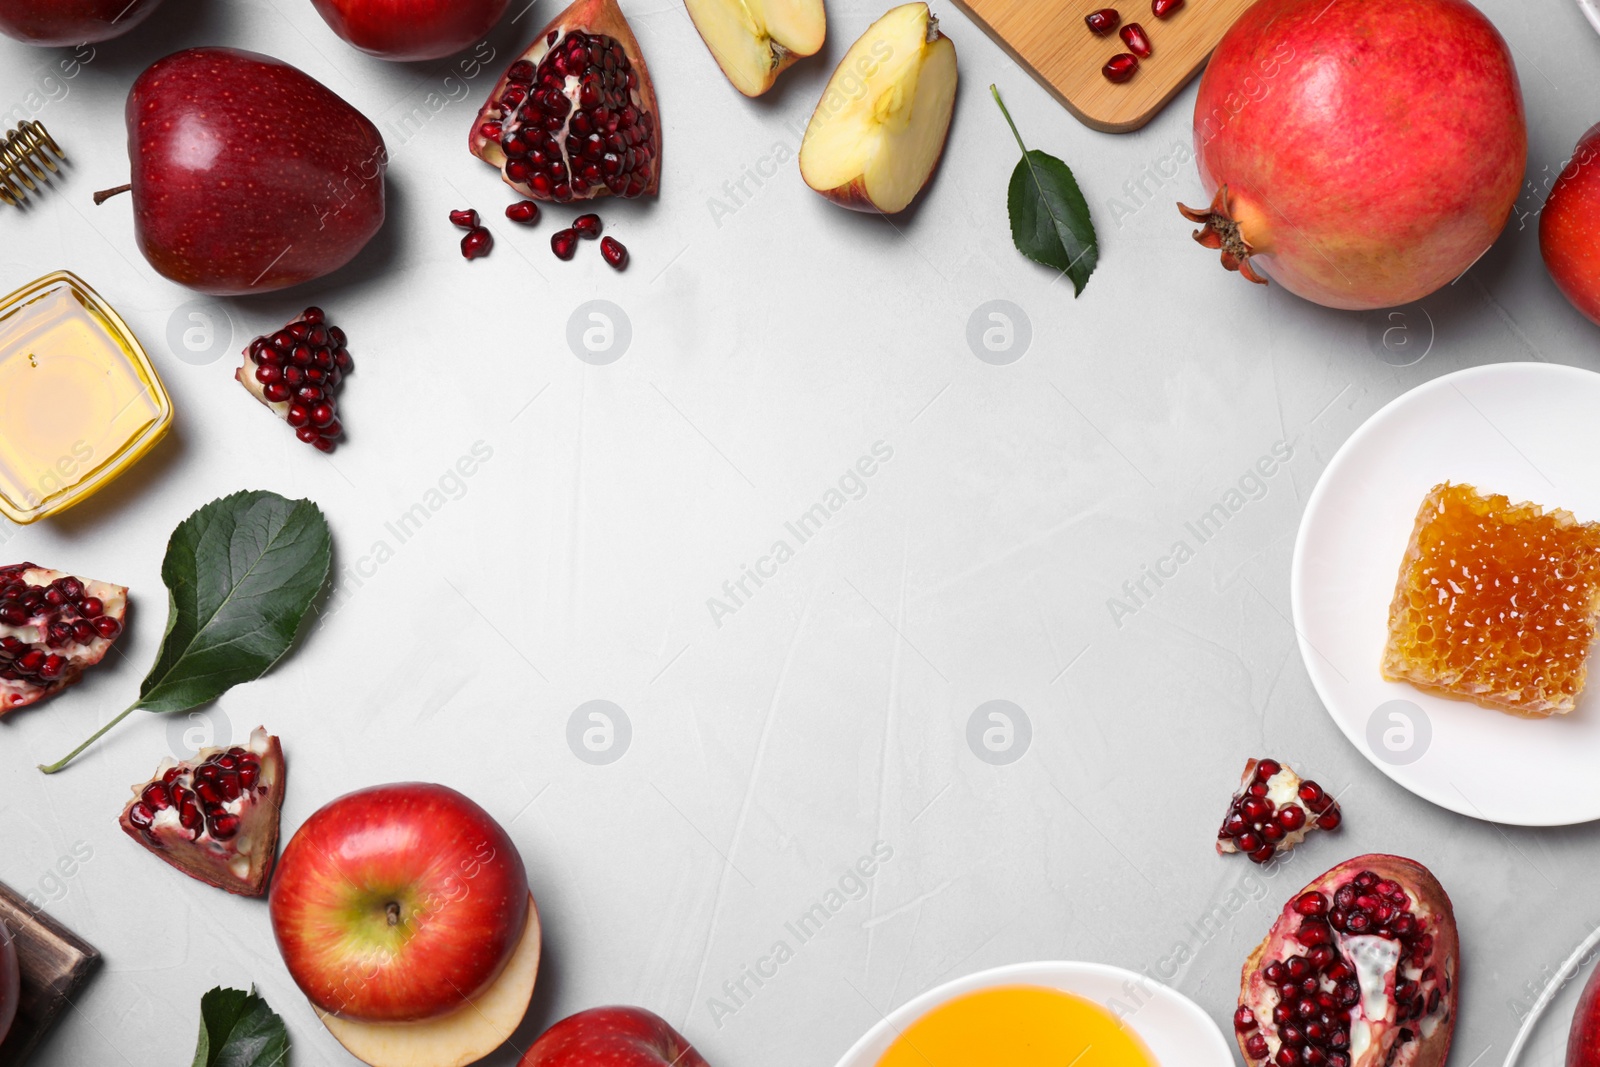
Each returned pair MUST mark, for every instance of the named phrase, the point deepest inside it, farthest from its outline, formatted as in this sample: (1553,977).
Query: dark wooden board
(55,963)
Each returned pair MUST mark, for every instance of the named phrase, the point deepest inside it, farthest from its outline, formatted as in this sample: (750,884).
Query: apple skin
(58,23)
(615,1037)
(1569,229)
(1583,1041)
(398,903)
(247,192)
(411,29)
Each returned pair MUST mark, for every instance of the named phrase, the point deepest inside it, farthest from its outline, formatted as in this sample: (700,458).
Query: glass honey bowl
(80,401)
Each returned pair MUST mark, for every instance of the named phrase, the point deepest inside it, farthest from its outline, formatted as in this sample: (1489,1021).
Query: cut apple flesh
(880,129)
(464,1036)
(756,40)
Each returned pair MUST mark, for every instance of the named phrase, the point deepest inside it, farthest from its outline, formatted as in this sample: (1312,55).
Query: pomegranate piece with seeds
(1361,969)
(576,117)
(215,817)
(614,252)
(297,372)
(52,627)
(1273,811)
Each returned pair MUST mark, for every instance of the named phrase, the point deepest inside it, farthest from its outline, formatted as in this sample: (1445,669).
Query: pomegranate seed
(223,826)
(1138,43)
(1312,794)
(1312,903)
(1291,817)
(1255,809)
(614,253)
(1330,819)
(1162,9)
(477,243)
(1248,842)
(1263,854)
(277,392)
(141,816)
(1257,789)
(1313,932)
(1102,22)
(521,73)
(524,211)
(1244,1019)
(1256,1047)
(298,415)
(564,243)
(1120,67)
(91,607)
(588,226)
(1275,973)
(466,218)
(1267,768)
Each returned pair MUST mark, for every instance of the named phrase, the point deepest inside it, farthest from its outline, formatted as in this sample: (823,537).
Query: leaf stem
(996,91)
(75,753)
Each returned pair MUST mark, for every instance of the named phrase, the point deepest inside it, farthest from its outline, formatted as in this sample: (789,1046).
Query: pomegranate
(614,253)
(215,817)
(52,627)
(576,117)
(1362,155)
(296,372)
(1569,228)
(1273,811)
(1360,970)
(1102,22)
(1120,67)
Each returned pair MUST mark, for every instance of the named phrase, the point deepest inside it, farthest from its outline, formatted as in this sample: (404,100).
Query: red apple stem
(106,194)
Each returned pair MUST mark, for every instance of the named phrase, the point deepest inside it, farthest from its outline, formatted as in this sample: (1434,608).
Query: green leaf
(241,574)
(237,1029)
(1050,220)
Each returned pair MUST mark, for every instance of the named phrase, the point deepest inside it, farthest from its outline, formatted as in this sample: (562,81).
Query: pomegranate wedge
(215,817)
(1273,811)
(52,627)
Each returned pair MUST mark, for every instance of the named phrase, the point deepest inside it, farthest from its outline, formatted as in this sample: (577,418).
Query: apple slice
(754,41)
(462,1037)
(880,127)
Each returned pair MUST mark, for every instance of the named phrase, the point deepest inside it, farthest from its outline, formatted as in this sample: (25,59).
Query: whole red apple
(411,29)
(398,903)
(248,175)
(68,22)
(1583,1040)
(616,1037)
(1569,229)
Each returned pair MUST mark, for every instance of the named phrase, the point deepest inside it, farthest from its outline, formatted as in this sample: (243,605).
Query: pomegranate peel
(214,817)
(1361,969)
(1273,811)
(575,117)
(53,626)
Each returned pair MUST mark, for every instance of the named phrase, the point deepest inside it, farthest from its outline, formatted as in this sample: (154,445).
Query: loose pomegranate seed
(1102,22)
(564,243)
(614,253)
(1120,67)
(1138,43)
(477,243)
(1165,8)
(588,226)
(466,218)
(525,212)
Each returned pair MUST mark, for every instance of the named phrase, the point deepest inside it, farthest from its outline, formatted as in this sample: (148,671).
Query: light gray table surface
(775,340)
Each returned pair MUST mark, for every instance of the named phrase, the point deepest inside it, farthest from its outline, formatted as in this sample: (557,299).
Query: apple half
(754,41)
(880,128)
(467,1034)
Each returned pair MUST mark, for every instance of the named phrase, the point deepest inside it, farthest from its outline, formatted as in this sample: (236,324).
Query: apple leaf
(237,1029)
(241,574)
(1050,220)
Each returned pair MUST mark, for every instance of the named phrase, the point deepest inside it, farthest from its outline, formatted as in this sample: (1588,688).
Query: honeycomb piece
(1496,603)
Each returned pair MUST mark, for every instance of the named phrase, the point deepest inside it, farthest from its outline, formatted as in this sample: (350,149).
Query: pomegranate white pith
(1361,969)
(754,41)
(1273,811)
(52,626)
(215,817)
(576,116)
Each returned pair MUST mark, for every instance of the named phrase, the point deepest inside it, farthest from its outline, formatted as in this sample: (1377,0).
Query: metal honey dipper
(25,158)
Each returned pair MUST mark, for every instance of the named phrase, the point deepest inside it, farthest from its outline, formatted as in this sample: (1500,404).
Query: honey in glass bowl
(80,401)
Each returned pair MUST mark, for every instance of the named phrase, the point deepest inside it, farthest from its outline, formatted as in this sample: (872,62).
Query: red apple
(240,191)
(1583,1040)
(1569,229)
(616,1037)
(411,29)
(398,903)
(69,22)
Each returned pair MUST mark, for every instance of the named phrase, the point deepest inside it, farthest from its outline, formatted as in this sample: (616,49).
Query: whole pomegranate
(1361,969)
(1360,154)
(1569,228)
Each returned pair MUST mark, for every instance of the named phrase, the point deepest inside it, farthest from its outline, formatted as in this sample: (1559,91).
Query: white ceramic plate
(1591,10)
(1529,430)
(1171,1025)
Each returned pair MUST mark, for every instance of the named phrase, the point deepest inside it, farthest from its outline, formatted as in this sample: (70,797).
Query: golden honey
(1017,1026)
(79,398)
(1496,603)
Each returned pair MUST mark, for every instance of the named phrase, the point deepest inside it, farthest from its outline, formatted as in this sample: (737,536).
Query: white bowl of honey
(1046,1014)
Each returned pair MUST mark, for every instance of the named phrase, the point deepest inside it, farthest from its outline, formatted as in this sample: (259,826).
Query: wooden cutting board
(55,963)
(1050,40)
